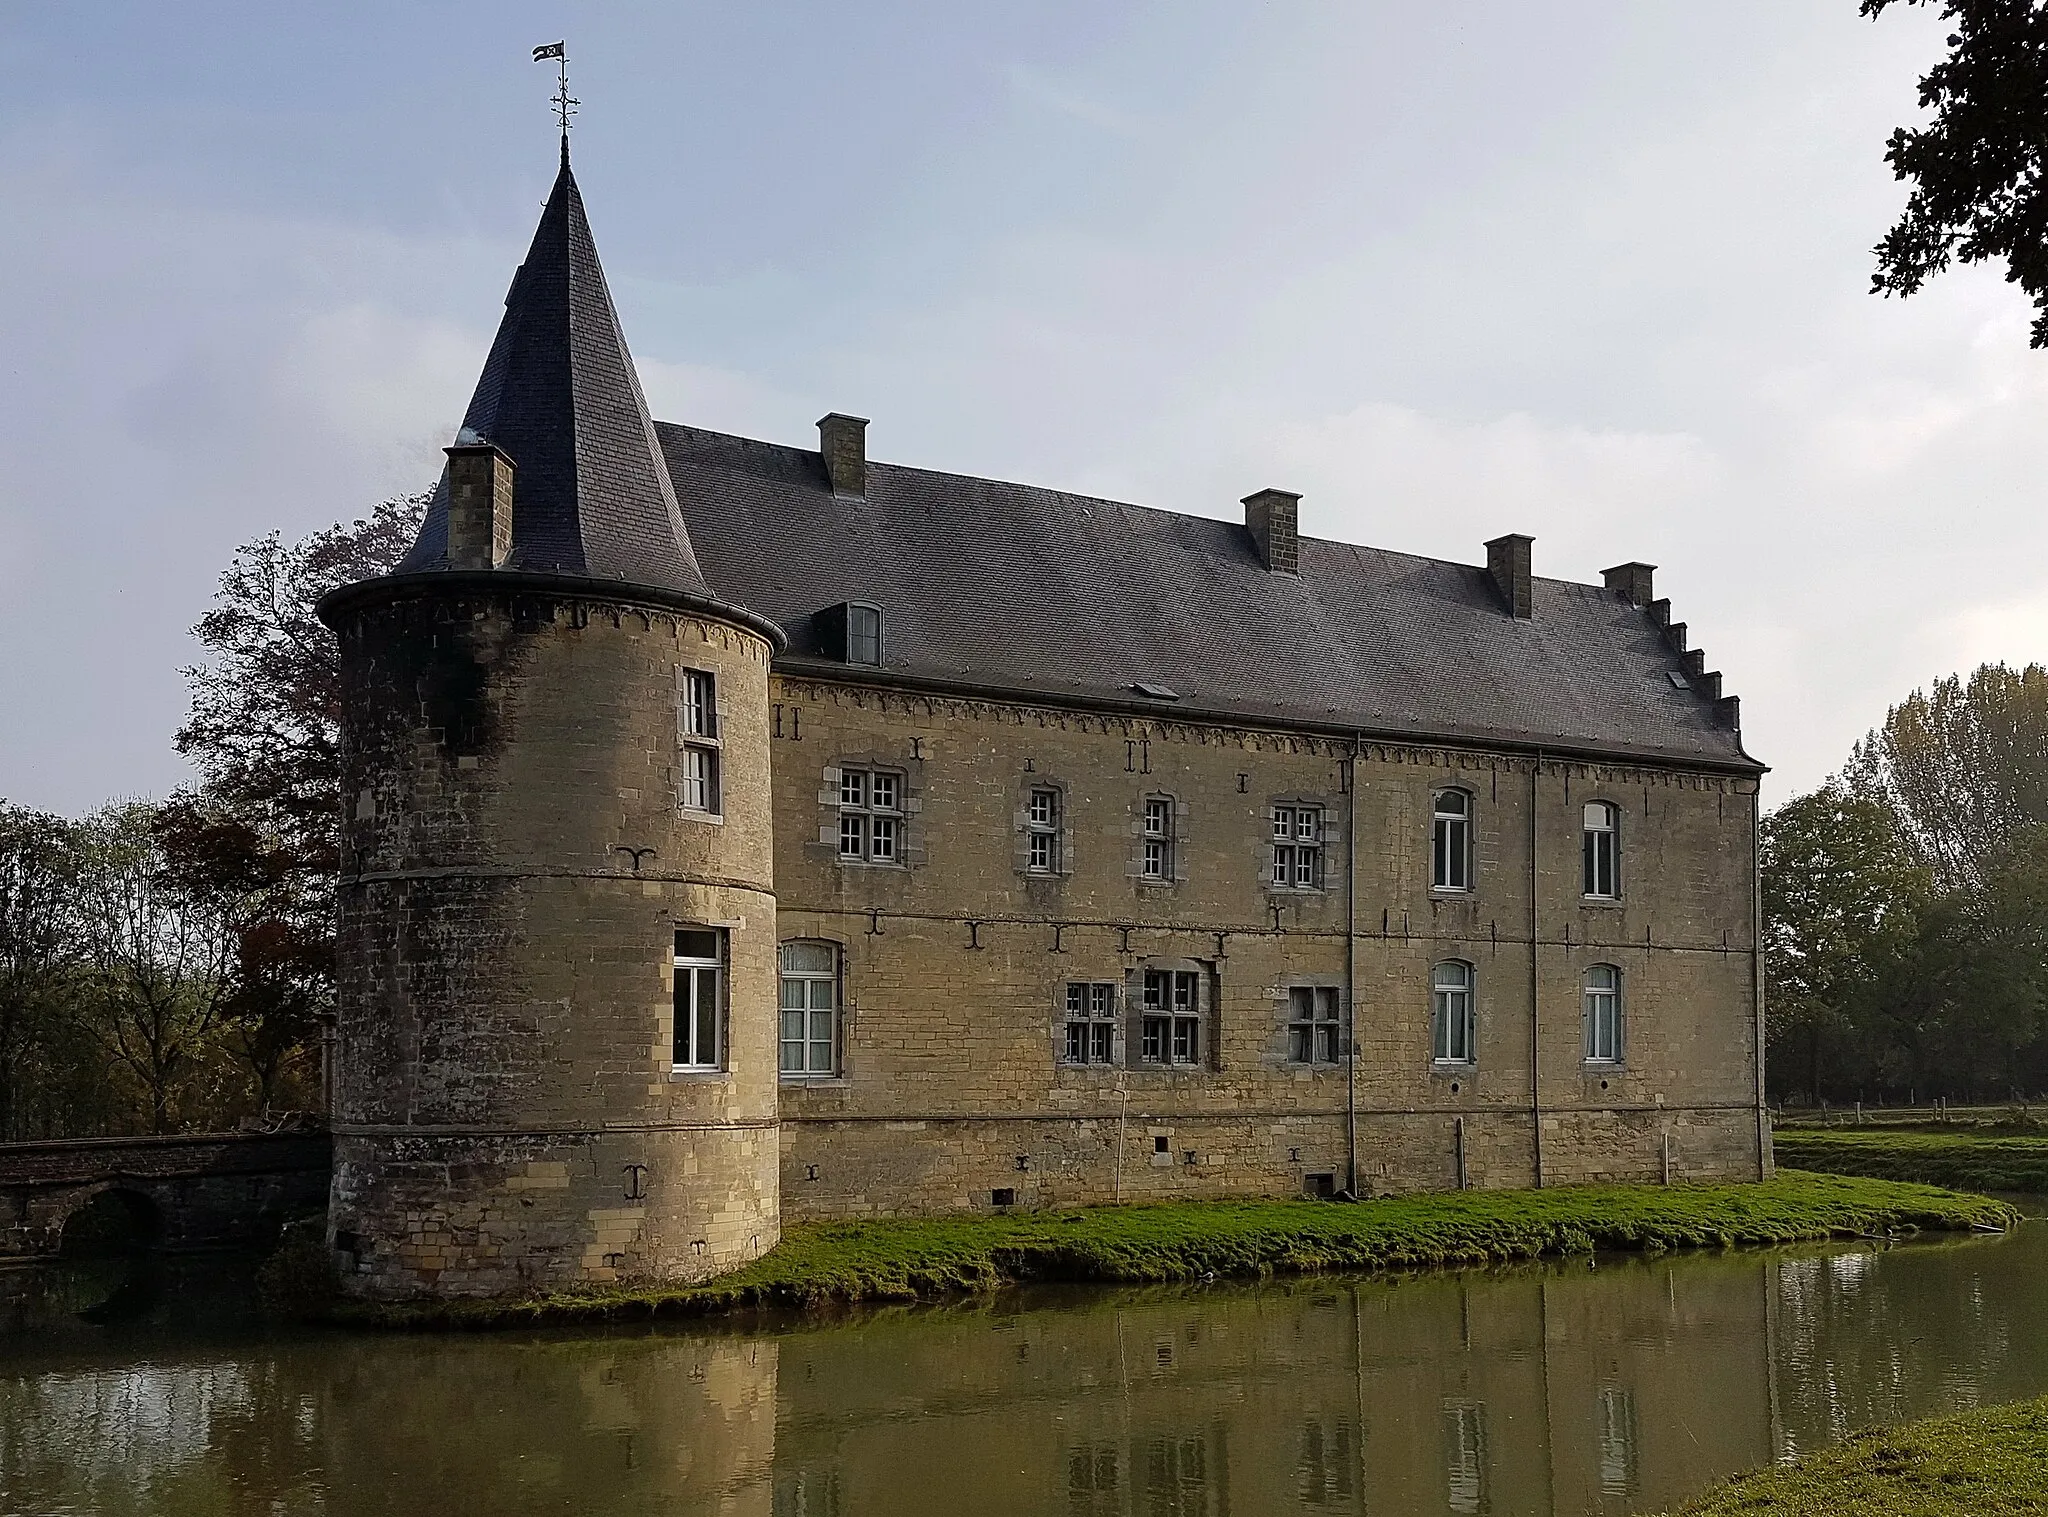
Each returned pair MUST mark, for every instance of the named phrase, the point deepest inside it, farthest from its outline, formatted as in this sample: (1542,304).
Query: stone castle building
(738,832)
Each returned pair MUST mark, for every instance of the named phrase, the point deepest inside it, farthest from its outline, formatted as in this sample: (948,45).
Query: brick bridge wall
(207,1190)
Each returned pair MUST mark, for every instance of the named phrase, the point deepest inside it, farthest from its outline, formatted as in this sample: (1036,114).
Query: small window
(810,1009)
(1602,851)
(1297,848)
(863,634)
(1042,831)
(700,997)
(1451,842)
(1603,1014)
(1313,1024)
(1171,1027)
(697,717)
(1158,838)
(870,816)
(1091,1023)
(1452,1027)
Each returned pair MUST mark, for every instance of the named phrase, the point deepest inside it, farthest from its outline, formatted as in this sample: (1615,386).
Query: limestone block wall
(516,865)
(950,1092)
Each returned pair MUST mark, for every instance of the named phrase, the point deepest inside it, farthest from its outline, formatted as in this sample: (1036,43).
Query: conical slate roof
(559,395)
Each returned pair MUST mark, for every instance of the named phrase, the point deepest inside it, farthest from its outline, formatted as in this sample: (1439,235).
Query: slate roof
(1032,590)
(560,396)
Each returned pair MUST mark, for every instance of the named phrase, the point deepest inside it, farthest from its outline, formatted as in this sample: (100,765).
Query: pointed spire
(559,396)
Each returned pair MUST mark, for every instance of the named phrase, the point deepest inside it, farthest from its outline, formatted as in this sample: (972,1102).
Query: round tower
(555,1059)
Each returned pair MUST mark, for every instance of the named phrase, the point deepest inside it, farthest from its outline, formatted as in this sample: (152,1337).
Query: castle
(739,833)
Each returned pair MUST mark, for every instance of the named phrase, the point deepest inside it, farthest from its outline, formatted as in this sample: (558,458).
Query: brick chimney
(1507,560)
(1272,517)
(1631,582)
(479,504)
(843,443)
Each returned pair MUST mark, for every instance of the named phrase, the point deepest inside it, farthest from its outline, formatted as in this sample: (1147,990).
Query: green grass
(1974,1464)
(919,1258)
(1961,1158)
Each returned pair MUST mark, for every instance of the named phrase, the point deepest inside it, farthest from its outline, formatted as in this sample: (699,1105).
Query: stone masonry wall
(950,1093)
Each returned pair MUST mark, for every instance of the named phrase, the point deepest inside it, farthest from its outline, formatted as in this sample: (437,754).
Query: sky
(1593,270)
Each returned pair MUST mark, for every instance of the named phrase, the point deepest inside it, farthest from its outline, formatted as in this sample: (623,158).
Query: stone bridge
(185,1191)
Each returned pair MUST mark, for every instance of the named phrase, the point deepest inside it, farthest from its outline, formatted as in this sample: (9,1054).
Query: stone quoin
(737,832)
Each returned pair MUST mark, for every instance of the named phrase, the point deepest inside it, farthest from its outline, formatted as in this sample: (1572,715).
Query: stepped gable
(1036,591)
(559,396)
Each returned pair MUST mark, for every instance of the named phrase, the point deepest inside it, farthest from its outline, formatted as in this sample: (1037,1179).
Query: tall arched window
(1603,850)
(1603,1014)
(1452,1025)
(1451,842)
(810,1009)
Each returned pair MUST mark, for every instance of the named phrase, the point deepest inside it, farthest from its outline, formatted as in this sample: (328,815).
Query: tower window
(1313,1024)
(1171,1025)
(1297,848)
(1091,1023)
(1603,1014)
(1450,866)
(1157,860)
(1603,851)
(870,816)
(697,719)
(810,1009)
(700,996)
(1453,1026)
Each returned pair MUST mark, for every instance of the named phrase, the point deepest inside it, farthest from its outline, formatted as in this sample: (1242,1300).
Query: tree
(1843,897)
(1963,769)
(157,952)
(38,944)
(1979,168)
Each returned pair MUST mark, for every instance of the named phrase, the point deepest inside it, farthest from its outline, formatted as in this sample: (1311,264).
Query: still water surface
(1613,1387)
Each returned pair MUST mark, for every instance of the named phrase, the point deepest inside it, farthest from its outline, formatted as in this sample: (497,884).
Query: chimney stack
(1272,517)
(1631,582)
(843,443)
(479,503)
(1507,560)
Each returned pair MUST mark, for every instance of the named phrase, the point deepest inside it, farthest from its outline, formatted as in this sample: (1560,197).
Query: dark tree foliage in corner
(1979,168)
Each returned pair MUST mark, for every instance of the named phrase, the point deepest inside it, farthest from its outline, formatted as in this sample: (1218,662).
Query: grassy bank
(1956,1157)
(912,1258)
(1974,1464)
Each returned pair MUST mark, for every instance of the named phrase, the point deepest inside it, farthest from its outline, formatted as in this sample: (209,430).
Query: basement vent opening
(1677,680)
(1320,1186)
(1157,692)
(1003,1197)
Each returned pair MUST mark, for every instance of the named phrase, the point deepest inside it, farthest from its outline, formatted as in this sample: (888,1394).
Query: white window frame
(1158,815)
(1453,1014)
(808,985)
(1044,815)
(860,641)
(1297,861)
(1315,1024)
(872,815)
(1170,1034)
(1450,842)
(1088,1031)
(698,727)
(700,990)
(1603,1015)
(1600,871)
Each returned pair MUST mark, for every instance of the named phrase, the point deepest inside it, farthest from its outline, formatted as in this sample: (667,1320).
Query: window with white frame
(697,716)
(1157,862)
(1453,1028)
(870,816)
(1091,1023)
(1297,848)
(1314,1024)
(1603,851)
(1603,1014)
(863,634)
(1170,1027)
(700,997)
(810,1009)
(1450,866)
(1042,831)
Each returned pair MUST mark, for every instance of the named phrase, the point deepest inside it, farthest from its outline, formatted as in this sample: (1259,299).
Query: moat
(1619,1385)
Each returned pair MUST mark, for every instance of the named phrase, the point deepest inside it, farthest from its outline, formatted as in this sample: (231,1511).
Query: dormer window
(852,631)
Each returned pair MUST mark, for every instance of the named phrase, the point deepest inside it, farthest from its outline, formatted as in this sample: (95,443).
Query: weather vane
(565,103)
